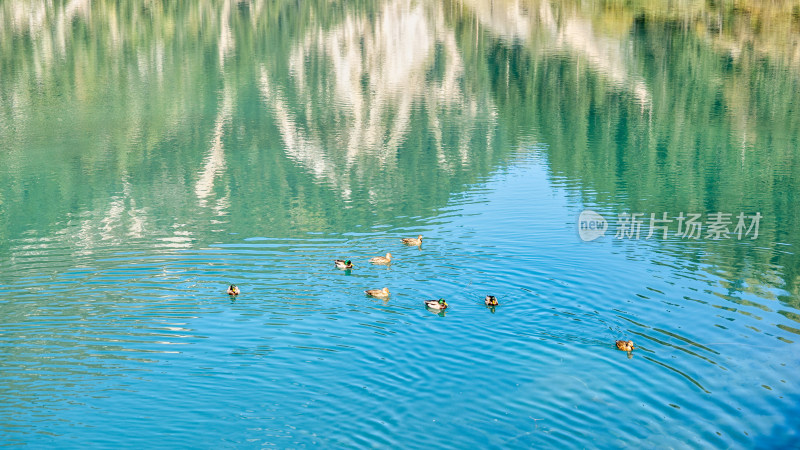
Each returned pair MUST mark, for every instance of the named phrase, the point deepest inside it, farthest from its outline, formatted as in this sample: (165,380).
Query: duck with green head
(233,290)
(436,304)
(491,300)
(343,264)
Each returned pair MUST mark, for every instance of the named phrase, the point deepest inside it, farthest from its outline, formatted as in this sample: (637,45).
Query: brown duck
(625,346)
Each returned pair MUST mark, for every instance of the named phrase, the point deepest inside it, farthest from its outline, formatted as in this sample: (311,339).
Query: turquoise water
(154,155)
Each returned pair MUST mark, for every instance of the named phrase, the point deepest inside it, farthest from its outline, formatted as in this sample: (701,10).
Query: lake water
(154,154)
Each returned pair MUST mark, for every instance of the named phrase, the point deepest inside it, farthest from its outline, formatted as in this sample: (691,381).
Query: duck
(625,346)
(233,290)
(382,259)
(380,293)
(343,263)
(413,241)
(491,300)
(436,304)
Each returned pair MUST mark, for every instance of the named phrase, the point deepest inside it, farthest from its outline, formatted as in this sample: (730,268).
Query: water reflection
(214,166)
(156,153)
(645,133)
(382,73)
(552,27)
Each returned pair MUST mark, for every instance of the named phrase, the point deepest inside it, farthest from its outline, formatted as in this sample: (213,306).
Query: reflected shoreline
(170,128)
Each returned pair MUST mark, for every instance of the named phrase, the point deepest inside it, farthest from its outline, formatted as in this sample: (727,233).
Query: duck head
(625,345)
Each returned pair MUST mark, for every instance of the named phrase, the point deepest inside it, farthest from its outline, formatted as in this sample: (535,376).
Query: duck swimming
(625,346)
(380,293)
(491,300)
(436,304)
(382,259)
(343,264)
(233,290)
(413,241)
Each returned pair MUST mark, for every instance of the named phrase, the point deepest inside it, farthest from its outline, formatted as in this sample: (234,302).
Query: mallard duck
(625,346)
(491,300)
(413,241)
(436,304)
(233,290)
(343,263)
(381,293)
(382,259)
